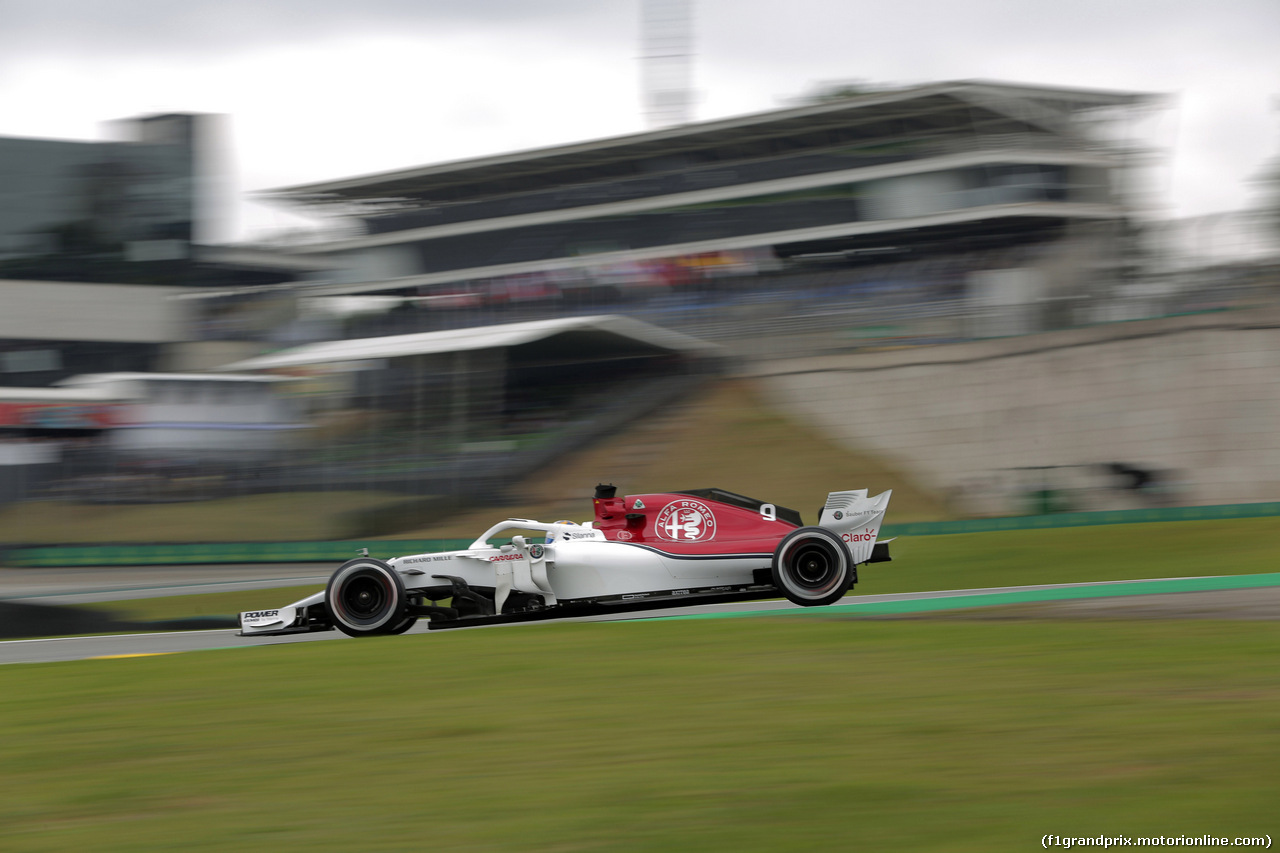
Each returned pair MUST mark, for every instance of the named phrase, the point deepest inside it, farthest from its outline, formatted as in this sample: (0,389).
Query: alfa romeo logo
(686,521)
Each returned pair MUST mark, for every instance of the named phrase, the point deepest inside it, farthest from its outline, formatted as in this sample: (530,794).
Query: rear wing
(856,518)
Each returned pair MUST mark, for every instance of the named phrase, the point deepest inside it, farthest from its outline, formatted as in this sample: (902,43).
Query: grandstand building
(94,211)
(879,177)
(98,238)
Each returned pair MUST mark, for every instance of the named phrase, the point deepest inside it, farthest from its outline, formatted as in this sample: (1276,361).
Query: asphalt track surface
(894,605)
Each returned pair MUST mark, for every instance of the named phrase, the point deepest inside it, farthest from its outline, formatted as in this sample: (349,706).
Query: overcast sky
(318,89)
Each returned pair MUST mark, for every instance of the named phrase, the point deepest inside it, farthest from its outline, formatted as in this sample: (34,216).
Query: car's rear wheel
(812,567)
(366,597)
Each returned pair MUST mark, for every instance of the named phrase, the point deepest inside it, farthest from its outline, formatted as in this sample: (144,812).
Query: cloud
(322,88)
(167,28)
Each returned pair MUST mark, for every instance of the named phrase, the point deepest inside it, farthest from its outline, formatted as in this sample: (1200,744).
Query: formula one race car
(641,552)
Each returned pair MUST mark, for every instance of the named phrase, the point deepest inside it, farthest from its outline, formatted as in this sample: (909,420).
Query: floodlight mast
(666,63)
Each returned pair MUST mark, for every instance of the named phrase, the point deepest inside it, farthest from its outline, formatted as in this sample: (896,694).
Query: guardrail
(324,552)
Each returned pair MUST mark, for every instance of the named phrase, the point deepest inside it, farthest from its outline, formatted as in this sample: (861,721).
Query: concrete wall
(64,311)
(192,356)
(1198,396)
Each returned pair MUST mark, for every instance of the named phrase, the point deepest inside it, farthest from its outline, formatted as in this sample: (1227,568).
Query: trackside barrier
(325,552)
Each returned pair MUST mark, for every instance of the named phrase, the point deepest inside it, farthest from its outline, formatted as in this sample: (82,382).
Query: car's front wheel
(366,597)
(405,624)
(812,567)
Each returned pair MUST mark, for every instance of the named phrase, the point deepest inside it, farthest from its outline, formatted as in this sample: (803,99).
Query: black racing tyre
(408,621)
(405,624)
(365,597)
(812,567)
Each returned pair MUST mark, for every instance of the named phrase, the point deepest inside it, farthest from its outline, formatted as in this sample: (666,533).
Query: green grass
(1076,555)
(752,735)
(207,604)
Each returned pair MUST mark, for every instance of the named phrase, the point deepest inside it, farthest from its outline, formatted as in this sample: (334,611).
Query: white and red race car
(640,552)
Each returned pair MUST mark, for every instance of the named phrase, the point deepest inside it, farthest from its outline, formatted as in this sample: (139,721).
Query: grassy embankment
(751,735)
(725,438)
(289,517)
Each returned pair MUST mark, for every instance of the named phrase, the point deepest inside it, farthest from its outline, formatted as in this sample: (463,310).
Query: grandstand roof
(577,337)
(897,114)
